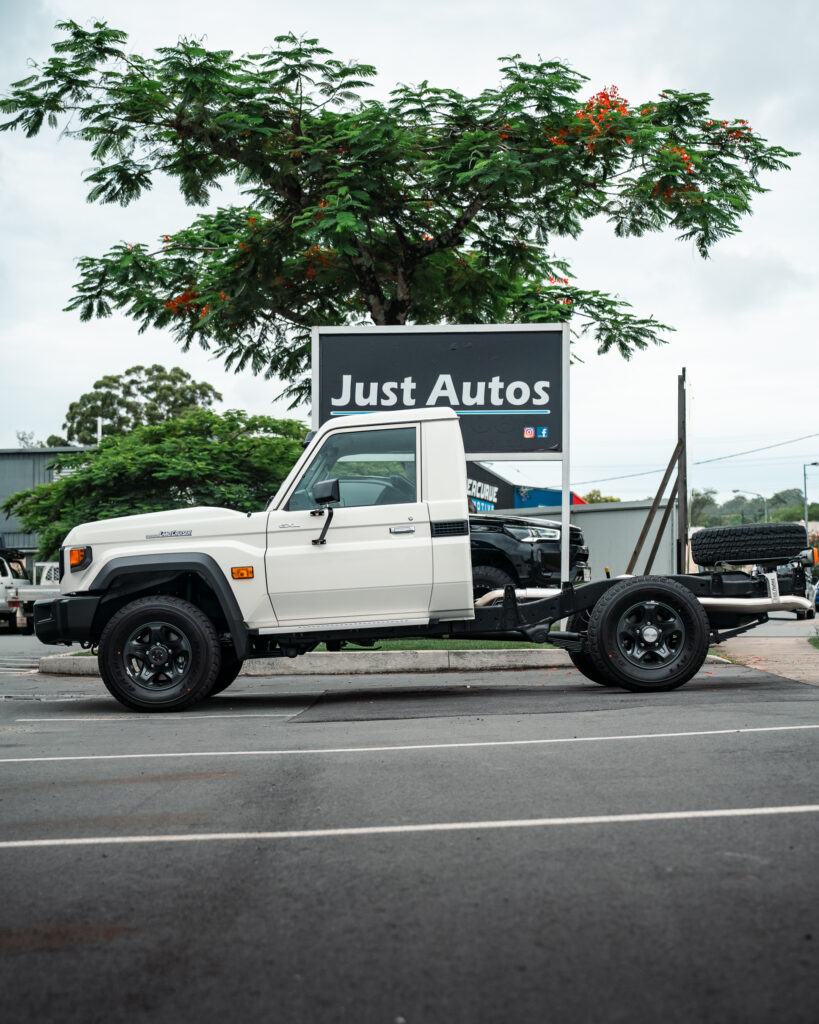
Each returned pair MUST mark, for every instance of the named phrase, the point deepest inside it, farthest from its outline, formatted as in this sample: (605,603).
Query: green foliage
(596,497)
(432,207)
(142,395)
(703,510)
(795,513)
(232,461)
(701,505)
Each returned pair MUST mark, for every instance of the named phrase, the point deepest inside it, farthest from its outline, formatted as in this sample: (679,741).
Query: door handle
(402,529)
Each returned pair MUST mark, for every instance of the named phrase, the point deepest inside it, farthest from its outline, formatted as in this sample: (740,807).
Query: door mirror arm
(325,492)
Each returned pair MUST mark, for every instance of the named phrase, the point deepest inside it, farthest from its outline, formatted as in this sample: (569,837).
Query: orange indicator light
(76,556)
(242,572)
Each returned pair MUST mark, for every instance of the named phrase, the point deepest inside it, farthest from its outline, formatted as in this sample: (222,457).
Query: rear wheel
(649,635)
(159,654)
(582,661)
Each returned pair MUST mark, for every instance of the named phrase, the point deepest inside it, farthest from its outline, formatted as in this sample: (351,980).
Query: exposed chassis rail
(734,602)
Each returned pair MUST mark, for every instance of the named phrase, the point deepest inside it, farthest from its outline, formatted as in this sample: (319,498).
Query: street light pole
(758,495)
(805,491)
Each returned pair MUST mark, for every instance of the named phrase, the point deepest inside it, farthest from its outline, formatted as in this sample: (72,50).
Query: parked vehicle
(21,598)
(12,575)
(367,538)
(522,550)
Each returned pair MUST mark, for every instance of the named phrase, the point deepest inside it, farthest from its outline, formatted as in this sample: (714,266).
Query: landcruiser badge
(168,533)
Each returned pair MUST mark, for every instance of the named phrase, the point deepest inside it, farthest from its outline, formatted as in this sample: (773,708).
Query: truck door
(376,562)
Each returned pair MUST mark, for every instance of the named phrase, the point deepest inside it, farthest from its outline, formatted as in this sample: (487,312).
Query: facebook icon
(542,431)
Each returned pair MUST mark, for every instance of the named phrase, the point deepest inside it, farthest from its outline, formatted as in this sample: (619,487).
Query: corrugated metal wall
(20,470)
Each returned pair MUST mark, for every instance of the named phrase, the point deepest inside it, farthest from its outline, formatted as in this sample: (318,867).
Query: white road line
(449,826)
(153,719)
(404,747)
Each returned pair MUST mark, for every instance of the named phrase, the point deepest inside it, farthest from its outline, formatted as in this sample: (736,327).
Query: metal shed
(20,470)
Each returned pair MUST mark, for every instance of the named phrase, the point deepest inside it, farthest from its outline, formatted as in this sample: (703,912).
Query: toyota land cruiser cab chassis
(366,539)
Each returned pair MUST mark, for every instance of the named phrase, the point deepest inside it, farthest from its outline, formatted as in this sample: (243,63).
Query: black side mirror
(326,492)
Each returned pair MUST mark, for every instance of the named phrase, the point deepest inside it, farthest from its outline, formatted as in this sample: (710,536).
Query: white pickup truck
(367,538)
(22,594)
(12,575)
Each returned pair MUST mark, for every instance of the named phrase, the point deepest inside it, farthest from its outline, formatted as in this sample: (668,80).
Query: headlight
(532,534)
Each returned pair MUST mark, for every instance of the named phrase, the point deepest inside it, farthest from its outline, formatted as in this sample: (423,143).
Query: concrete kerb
(354,662)
(361,662)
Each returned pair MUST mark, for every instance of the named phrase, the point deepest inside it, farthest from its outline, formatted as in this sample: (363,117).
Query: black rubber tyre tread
(206,655)
(488,577)
(228,671)
(579,623)
(608,657)
(748,544)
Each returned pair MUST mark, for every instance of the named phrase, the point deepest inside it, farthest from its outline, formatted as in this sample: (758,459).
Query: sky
(745,319)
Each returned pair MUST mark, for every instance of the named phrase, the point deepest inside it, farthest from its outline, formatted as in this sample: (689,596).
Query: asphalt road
(501,847)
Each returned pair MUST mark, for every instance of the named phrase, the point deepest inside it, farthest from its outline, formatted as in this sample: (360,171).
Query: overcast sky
(746,319)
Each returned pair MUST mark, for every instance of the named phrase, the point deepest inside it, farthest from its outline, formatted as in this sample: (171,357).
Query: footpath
(790,657)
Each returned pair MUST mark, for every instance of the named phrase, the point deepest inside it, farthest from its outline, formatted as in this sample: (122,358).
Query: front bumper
(64,620)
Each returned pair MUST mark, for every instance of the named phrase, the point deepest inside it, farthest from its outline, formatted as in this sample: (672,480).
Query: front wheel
(486,578)
(648,634)
(228,671)
(159,654)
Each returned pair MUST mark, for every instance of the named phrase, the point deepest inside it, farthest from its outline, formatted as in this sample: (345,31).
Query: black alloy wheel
(648,634)
(228,671)
(582,660)
(159,654)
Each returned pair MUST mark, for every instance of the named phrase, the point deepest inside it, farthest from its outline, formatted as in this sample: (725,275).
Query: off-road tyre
(579,623)
(648,634)
(486,578)
(744,545)
(228,671)
(159,654)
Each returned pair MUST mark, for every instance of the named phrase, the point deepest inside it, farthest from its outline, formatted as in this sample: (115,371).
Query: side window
(374,467)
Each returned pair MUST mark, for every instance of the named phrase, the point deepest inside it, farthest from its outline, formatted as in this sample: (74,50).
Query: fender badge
(168,533)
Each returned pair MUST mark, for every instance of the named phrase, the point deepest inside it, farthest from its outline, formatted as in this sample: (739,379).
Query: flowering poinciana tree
(431,207)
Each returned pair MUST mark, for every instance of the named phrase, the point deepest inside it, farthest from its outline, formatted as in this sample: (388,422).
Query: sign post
(508,383)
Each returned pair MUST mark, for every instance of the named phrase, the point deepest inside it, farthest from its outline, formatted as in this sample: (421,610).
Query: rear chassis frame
(532,620)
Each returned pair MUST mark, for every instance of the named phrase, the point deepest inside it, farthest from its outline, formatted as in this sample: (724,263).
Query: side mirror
(326,492)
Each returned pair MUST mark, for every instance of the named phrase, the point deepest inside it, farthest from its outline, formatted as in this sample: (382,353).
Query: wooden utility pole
(682,478)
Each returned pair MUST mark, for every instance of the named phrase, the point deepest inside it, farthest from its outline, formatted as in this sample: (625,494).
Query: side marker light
(242,572)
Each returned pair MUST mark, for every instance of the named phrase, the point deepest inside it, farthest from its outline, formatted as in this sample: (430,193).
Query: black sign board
(486,490)
(506,382)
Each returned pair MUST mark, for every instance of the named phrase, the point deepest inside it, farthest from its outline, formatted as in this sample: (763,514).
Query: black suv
(523,551)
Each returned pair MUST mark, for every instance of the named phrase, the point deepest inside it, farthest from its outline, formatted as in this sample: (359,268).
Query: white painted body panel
(371,568)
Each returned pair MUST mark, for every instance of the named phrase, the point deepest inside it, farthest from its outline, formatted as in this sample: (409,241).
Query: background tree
(141,396)
(701,505)
(429,207)
(596,496)
(233,461)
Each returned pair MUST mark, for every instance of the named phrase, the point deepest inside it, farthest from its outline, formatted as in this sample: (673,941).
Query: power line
(700,462)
